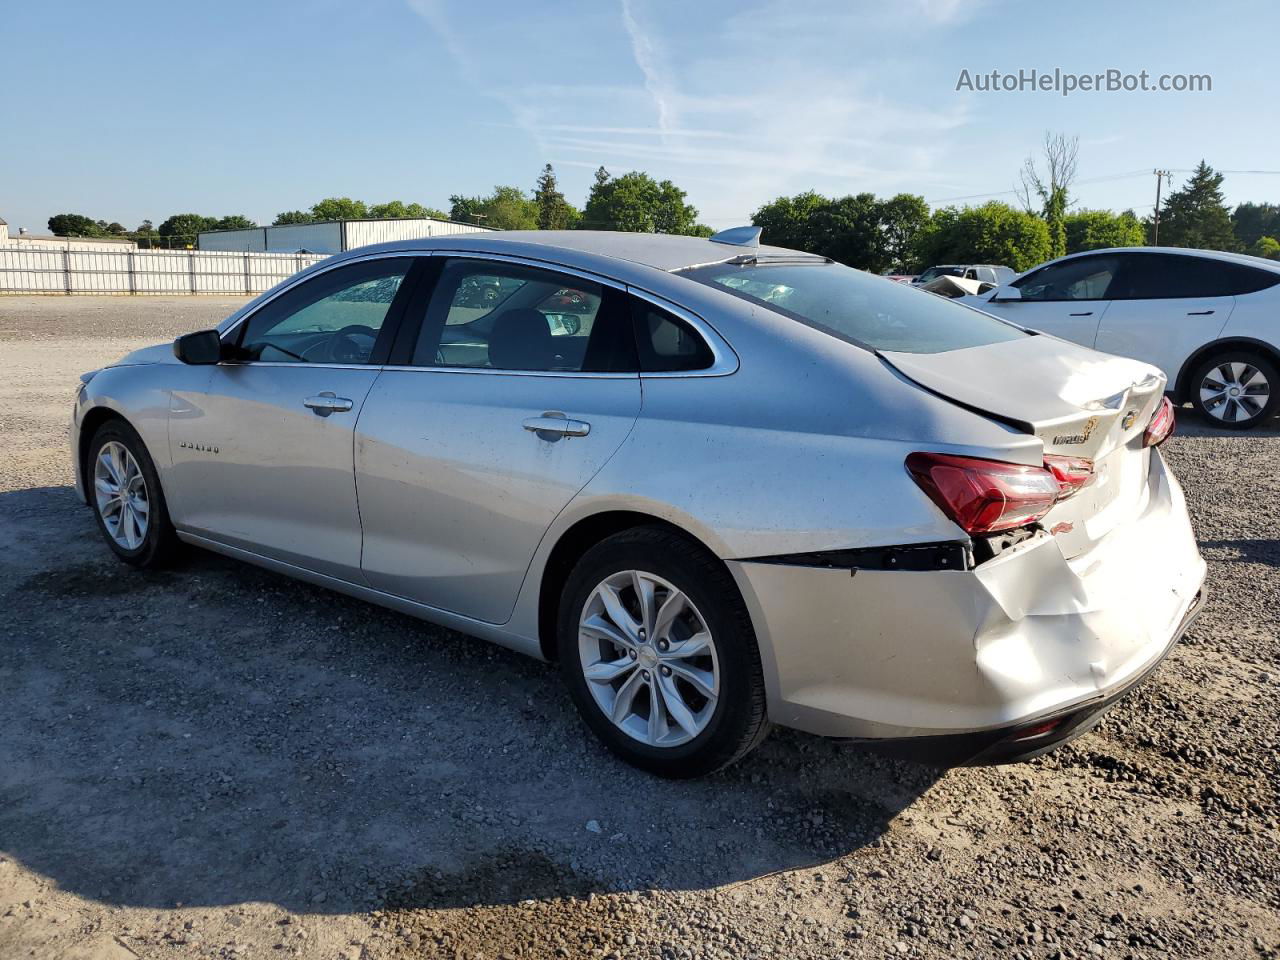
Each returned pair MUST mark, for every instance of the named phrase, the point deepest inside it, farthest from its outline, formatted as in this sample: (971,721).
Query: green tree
(145,227)
(116,229)
(397,209)
(339,208)
(1267,247)
(73,225)
(464,209)
(1097,229)
(1253,221)
(554,211)
(507,208)
(1196,215)
(992,233)
(847,229)
(1050,188)
(292,216)
(636,203)
(788,221)
(181,228)
(234,222)
(903,221)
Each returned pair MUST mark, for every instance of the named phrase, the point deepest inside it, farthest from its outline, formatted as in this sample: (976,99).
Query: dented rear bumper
(907,655)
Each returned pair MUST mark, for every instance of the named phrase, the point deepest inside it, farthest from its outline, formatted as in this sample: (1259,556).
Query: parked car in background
(982,272)
(746,486)
(1209,320)
(957,288)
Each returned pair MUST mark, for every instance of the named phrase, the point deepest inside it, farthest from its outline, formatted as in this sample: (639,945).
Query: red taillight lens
(1072,473)
(1161,425)
(984,496)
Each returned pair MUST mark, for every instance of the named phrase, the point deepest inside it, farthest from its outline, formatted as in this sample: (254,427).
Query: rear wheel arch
(570,548)
(1182,388)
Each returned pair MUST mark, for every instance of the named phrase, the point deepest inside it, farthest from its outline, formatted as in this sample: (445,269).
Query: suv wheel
(659,654)
(1236,389)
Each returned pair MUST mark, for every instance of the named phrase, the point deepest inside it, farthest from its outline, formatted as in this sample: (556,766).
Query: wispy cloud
(650,63)
(766,100)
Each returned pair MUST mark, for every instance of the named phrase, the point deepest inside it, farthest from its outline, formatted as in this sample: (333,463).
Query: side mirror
(1006,292)
(201,347)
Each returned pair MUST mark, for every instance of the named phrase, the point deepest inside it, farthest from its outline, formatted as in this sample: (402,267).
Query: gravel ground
(220,762)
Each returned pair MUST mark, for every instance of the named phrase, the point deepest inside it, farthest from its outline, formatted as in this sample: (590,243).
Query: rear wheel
(1236,389)
(659,654)
(126,496)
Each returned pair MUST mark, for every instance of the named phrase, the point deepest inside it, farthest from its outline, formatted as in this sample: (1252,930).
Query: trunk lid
(1078,402)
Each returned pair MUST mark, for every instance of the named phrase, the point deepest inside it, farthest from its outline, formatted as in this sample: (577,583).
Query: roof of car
(1242,258)
(659,250)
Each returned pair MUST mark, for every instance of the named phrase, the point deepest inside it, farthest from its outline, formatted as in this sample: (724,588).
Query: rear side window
(666,343)
(1155,276)
(856,307)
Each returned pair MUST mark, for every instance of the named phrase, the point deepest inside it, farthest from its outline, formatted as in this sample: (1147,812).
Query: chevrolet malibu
(724,485)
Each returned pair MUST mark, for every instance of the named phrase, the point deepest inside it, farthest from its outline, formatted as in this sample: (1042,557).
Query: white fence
(331,236)
(146,271)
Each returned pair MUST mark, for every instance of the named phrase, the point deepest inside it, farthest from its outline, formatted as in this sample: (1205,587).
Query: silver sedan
(724,485)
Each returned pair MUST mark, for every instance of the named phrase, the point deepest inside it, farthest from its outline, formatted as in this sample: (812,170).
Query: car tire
(698,641)
(1241,370)
(128,502)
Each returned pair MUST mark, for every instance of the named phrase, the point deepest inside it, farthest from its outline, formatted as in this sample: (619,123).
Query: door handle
(556,426)
(1199,313)
(327,403)
(1087,313)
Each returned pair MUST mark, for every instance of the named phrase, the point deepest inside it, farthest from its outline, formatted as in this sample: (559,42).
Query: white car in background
(1210,321)
(992,273)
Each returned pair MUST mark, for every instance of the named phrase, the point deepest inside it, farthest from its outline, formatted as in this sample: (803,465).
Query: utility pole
(1155,232)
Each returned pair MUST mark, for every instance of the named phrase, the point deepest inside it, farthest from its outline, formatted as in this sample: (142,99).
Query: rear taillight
(1072,473)
(984,496)
(1161,425)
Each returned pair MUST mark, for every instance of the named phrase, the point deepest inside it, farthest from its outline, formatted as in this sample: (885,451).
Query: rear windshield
(859,308)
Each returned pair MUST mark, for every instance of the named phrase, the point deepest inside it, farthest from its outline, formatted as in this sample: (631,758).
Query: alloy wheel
(120,491)
(649,658)
(1234,391)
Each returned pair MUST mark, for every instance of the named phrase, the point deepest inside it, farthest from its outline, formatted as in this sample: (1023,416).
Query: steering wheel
(345,348)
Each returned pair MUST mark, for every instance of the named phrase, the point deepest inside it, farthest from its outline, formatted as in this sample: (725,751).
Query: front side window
(487,314)
(1087,278)
(334,317)
(857,307)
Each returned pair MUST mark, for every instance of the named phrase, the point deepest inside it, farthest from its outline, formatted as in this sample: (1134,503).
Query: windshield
(859,308)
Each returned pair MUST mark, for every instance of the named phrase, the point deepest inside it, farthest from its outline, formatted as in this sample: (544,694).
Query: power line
(1192,170)
(1004,193)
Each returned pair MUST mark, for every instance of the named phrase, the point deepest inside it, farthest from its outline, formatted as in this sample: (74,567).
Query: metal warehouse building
(329,236)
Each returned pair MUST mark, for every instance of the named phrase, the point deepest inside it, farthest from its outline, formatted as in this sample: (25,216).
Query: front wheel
(1236,389)
(126,496)
(659,654)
